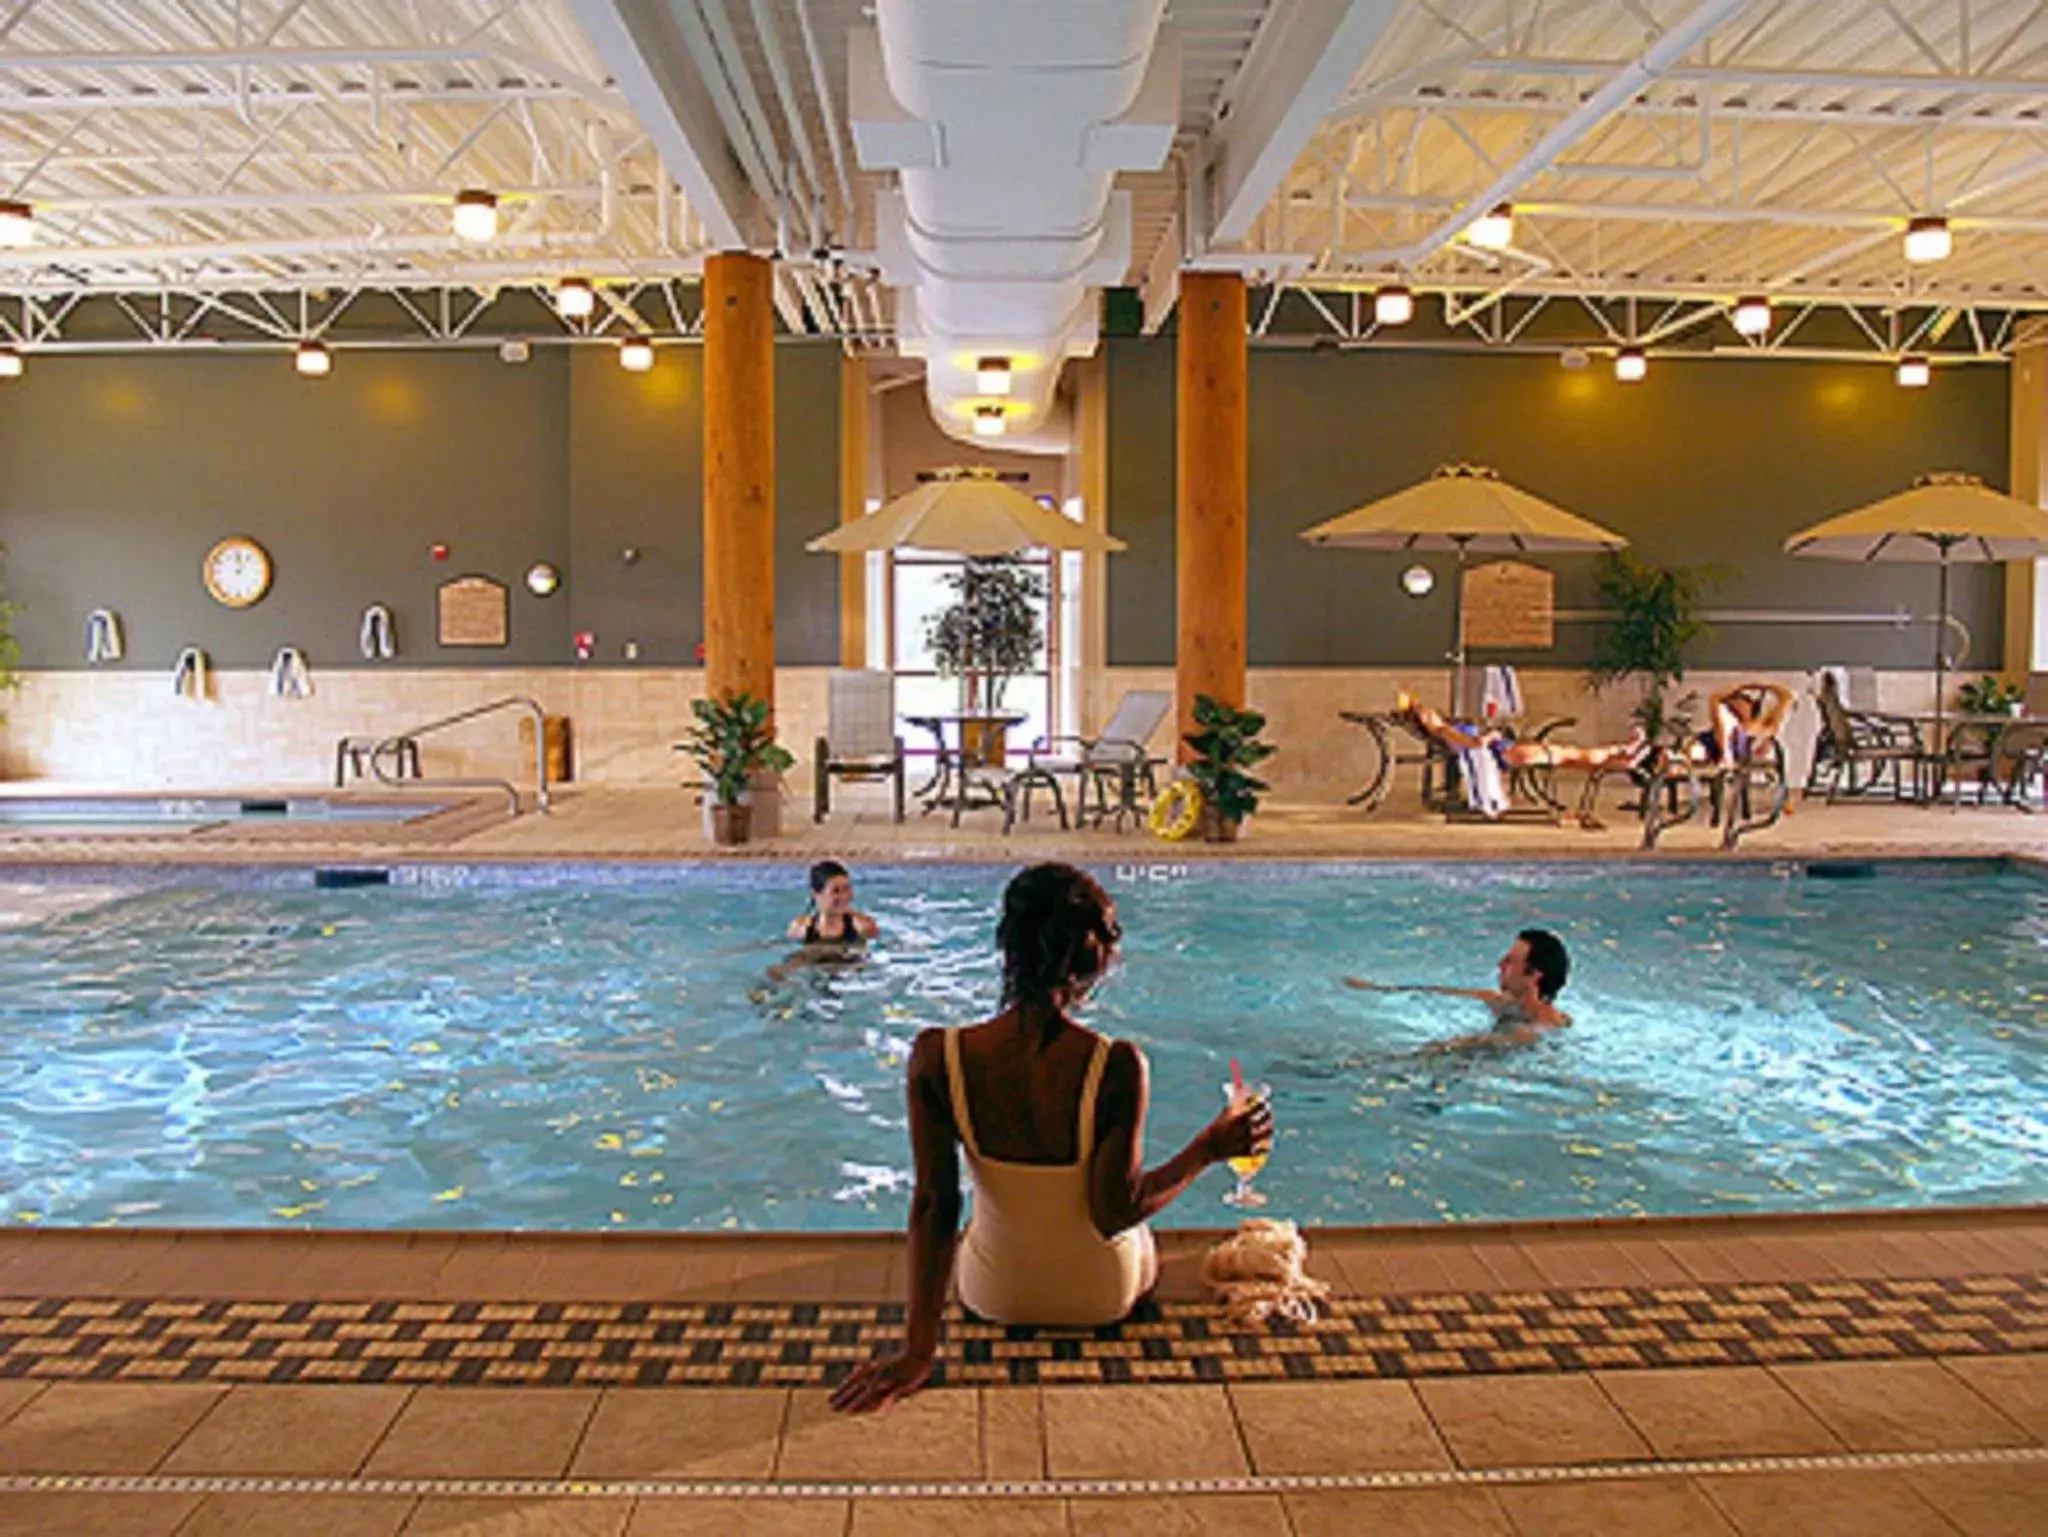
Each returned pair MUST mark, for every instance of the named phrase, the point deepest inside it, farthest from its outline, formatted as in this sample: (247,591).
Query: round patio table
(953,784)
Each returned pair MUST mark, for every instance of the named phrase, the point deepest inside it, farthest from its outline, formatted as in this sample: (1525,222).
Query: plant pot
(1216,828)
(731,824)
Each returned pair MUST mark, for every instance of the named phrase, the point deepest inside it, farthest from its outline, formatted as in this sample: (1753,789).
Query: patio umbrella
(965,512)
(1943,518)
(1463,507)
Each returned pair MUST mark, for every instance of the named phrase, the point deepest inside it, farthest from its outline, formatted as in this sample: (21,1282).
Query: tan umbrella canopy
(1463,507)
(1943,518)
(965,512)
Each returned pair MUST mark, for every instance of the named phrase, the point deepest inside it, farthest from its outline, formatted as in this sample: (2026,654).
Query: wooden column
(1209,653)
(739,476)
(2026,647)
(853,506)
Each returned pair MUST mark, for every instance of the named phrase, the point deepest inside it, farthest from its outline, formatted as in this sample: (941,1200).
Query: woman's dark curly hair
(1057,934)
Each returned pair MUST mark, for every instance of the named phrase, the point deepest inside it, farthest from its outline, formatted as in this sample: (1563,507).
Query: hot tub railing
(386,751)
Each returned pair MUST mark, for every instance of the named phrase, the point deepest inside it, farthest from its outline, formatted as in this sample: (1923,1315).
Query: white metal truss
(1687,150)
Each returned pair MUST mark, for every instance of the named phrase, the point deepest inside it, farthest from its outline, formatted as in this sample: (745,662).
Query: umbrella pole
(1941,649)
(1458,634)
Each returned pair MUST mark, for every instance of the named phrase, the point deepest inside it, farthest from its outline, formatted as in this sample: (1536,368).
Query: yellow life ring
(1177,810)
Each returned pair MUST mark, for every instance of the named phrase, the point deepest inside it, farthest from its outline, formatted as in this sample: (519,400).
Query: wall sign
(473,611)
(1510,606)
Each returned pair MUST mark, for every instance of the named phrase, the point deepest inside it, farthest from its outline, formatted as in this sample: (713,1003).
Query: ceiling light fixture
(989,421)
(314,360)
(1928,239)
(476,214)
(636,354)
(11,363)
(576,299)
(1493,230)
(1753,315)
(1393,306)
(1630,365)
(992,376)
(1915,372)
(17,224)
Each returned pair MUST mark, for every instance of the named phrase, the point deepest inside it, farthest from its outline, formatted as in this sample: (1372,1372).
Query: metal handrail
(509,702)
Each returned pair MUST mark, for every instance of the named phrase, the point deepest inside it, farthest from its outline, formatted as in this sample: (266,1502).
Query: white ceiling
(208,146)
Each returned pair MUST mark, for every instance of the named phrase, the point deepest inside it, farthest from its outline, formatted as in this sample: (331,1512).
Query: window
(918,592)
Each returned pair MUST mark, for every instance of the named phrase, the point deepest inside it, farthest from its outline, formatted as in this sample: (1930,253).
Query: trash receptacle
(556,735)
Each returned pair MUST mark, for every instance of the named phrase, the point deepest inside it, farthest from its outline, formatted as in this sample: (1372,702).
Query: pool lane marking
(1015,1489)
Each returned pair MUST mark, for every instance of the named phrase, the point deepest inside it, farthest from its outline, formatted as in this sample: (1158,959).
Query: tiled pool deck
(1861,1374)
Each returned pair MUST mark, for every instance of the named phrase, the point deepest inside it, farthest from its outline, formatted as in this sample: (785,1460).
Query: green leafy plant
(10,648)
(732,741)
(1654,621)
(991,631)
(1226,748)
(1989,696)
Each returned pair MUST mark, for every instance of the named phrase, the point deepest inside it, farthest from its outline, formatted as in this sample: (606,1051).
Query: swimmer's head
(831,886)
(1058,935)
(1535,963)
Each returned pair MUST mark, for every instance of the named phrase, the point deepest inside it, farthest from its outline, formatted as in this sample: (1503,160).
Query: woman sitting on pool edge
(830,922)
(1052,1115)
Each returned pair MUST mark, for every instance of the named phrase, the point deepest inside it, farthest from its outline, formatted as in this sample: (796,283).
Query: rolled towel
(103,636)
(1259,1272)
(289,676)
(379,634)
(188,674)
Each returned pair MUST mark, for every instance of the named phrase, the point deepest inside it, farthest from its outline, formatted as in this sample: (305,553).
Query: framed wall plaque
(1510,606)
(474,611)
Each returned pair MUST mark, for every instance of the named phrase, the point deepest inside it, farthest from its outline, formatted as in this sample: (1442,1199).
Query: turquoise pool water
(584,1048)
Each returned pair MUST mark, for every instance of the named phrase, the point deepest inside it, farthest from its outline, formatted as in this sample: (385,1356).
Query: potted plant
(991,632)
(1985,696)
(1654,619)
(1226,745)
(732,741)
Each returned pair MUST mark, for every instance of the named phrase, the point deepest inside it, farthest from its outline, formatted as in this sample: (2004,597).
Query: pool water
(603,1049)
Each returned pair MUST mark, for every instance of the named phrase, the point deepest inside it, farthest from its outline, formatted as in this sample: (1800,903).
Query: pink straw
(1236,1080)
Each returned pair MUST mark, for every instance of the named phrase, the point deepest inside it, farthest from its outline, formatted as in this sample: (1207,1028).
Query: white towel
(289,677)
(103,636)
(188,674)
(1840,674)
(1500,696)
(1486,791)
(379,634)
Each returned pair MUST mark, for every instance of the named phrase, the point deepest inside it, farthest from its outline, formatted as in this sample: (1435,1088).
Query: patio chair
(2023,754)
(1855,742)
(1119,757)
(860,740)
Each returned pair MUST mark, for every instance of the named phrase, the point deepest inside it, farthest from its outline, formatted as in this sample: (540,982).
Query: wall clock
(237,572)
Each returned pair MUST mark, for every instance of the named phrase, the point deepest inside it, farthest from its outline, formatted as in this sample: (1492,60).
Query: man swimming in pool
(1532,974)
(830,922)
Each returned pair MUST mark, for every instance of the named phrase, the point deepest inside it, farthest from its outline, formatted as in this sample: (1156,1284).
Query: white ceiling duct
(1008,121)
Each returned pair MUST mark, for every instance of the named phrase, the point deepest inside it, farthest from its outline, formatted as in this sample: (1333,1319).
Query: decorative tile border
(658,1344)
(1012,1489)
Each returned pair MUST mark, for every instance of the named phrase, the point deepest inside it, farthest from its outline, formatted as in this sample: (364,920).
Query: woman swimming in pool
(1052,1118)
(830,922)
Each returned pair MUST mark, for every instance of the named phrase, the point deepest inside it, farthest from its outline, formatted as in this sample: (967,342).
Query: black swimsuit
(849,935)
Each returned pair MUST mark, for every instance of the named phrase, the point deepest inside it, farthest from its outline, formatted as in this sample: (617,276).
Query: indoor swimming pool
(589,1047)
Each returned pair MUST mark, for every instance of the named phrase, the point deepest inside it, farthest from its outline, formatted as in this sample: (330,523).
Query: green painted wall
(118,472)
(1705,461)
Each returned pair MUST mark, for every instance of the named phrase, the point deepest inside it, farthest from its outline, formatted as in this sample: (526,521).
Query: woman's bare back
(1024,1094)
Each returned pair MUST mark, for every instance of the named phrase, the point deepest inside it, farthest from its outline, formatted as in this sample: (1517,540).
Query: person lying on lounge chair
(1513,754)
(1531,975)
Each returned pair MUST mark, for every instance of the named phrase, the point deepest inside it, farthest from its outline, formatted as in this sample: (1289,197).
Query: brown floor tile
(1521,1421)
(1987,1501)
(14,1393)
(519,1518)
(1669,1507)
(1508,1266)
(101,1427)
(1722,1411)
(1570,1262)
(94,1515)
(484,1432)
(1398,1513)
(2016,1385)
(1336,1427)
(1396,1265)
(1141,1432)
(688,1433)
(300,1515)
(288,1429)
(740,1518)
(937,1434)
(1215,1515)
(947,1518)
(1012,1432)
(1824,1505)
(1885,1406)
